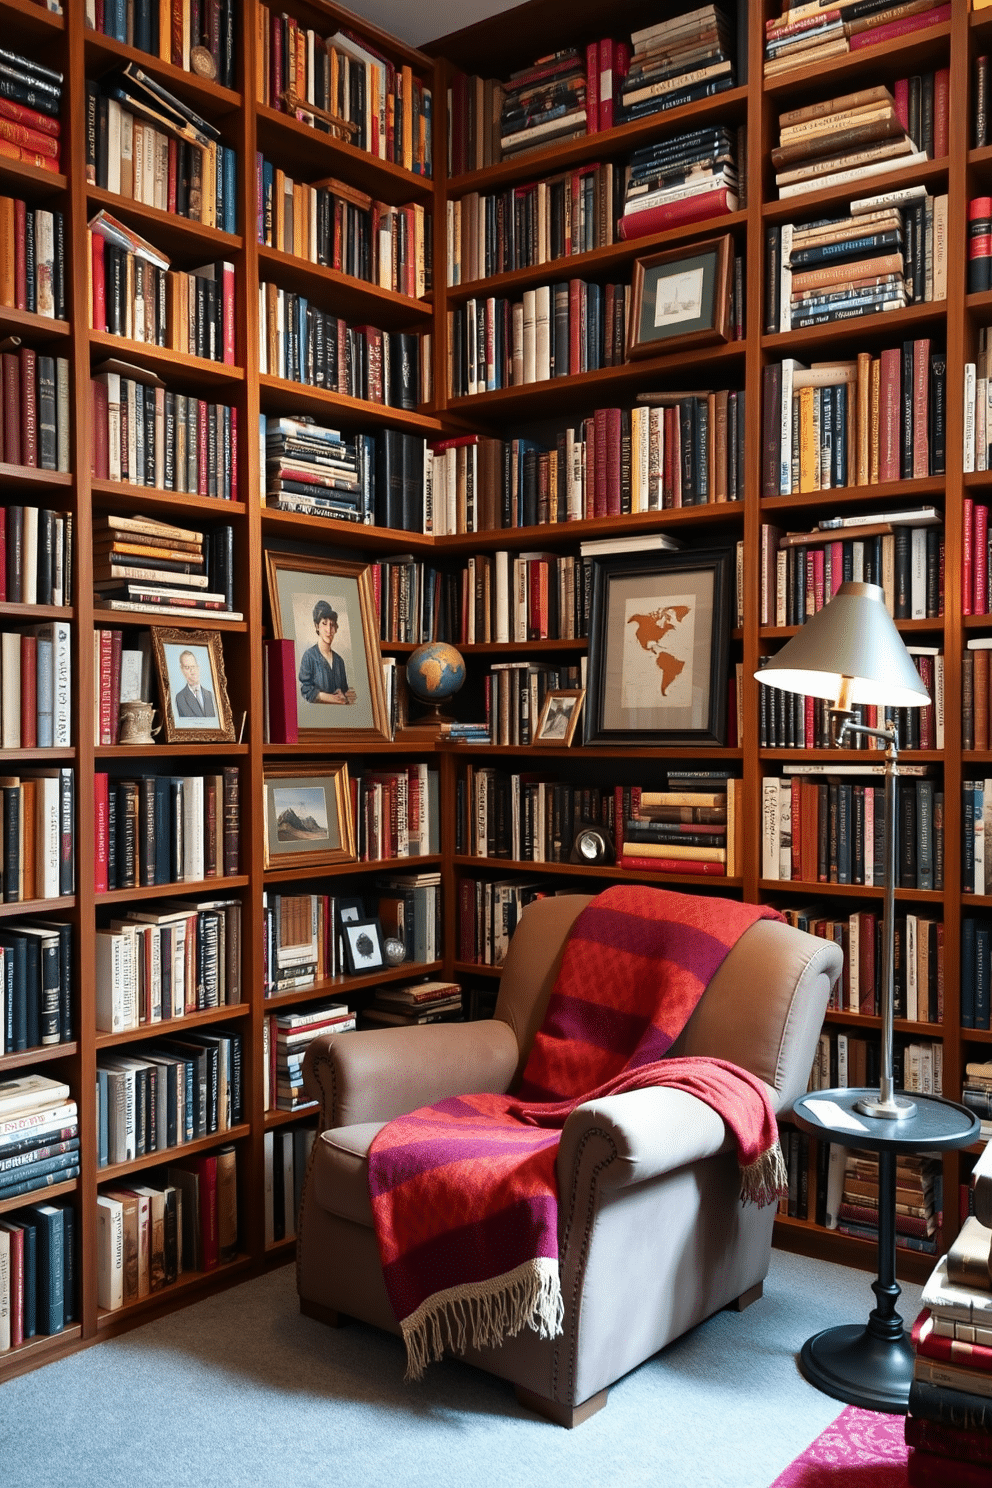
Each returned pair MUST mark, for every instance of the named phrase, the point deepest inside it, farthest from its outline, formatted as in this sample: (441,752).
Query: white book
(109,1252)
(61,635)
(918,574)
(542,333)
(116,1005)
(29,560)
(530,336)
(770,809)
(789,365)
(502,566)
(10,671)
(114,112)
(857,173)
(900,198)
(785,278)
(193,860)
(968,441)
(940,247)
(842,1061)
(957,1303)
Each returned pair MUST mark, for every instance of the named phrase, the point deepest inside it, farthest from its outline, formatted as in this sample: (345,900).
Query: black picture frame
(361,961)
(642,691)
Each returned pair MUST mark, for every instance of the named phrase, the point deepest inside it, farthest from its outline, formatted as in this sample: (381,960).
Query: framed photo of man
(326,607)
(193,685)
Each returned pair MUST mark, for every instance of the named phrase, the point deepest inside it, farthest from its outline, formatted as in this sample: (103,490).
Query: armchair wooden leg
(328,1315)
(746,1298)
(561,1415)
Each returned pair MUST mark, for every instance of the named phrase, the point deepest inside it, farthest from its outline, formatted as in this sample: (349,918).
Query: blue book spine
(230,190)
(70,1313)
(51,1275)
(102,1120)
(30,1275)
(219,187)
(838,398)
(45,675)
(982,975)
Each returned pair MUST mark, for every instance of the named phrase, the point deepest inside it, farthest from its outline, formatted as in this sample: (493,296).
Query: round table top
(938,1124)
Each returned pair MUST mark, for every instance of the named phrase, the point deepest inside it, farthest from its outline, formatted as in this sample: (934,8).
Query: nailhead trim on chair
(584,1250)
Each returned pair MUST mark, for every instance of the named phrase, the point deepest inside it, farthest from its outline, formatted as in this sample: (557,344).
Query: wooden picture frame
(559,717)
(363,946)
(305,590)
(659,649)
(681,298)
(319,831)
(192,684)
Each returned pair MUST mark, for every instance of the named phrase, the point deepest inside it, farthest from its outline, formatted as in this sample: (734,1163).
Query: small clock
(592,844)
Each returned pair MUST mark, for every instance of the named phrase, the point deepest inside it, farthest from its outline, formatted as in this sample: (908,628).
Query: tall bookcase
(492,48)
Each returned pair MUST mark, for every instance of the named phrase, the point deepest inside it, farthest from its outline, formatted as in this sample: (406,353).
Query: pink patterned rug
(861,1449)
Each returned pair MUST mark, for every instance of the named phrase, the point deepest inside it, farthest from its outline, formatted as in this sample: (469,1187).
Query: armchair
(653,1236)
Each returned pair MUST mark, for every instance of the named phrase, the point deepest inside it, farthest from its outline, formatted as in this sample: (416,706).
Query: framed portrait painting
(308,816)
(658,649)
(326,607)
(193,686)
(682,296)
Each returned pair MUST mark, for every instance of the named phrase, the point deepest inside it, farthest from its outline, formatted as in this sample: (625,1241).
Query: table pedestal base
(852,1364)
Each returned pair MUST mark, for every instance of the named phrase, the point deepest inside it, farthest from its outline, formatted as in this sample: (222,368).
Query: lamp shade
(852,637)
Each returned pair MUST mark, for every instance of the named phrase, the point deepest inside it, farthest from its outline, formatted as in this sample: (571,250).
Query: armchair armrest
(377,1074)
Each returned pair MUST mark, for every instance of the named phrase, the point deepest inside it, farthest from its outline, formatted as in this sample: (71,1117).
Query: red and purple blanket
(464,1193)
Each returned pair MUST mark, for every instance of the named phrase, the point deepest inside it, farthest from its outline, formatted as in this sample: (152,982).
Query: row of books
(821,826)
(395,811)
(677,61)
(144,144)
(331,223)
(976,971)
(416,602)
(888,253)
(155,965)
(409,910)
(162,568)
(416,1003)
(918,980)
(977,434)
(976,713)
(488,911)
(832,1208)
(286,1152)
(287,1037)
(36,687)
(38,834)
(524,597)
(134,293)
(160,829)
(148,1235)
(34,410)
(341,85)
(854,423)
(902,552)
(792,720)
(38,1276)
(168,1094)
(199,39)
(491,233)
(515,695)
(147,435)
(681,180)
(122,667)
(32,269)
(35,555)
(803,36)
(35,985)
(302,343)
(976,568)
(303,940)
(976,806)
(31,99)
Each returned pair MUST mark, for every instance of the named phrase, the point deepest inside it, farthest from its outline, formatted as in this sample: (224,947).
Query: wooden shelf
(114,1172)
(354,299)
(169,1027)
(293,398)
(342,986)
(306,153)
(182,890)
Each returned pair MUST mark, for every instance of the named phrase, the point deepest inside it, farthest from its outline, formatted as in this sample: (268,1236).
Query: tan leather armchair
(653,1236)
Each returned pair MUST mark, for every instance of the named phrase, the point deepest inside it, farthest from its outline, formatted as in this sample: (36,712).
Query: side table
(872,1366)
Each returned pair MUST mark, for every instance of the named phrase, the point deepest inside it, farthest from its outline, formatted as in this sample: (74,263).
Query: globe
(435,672)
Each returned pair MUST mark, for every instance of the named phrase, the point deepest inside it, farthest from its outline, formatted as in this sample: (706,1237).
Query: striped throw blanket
(464,1193)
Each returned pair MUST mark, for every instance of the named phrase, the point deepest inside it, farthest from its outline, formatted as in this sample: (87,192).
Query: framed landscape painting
(308,816)
(658,649)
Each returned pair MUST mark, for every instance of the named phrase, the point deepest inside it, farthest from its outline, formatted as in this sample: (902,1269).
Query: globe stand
(428,727)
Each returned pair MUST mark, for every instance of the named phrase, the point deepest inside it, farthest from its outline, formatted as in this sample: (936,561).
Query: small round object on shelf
(201,61)
(591,845)
(435,672)
(394,951)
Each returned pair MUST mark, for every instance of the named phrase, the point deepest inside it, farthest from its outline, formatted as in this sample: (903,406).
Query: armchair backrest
(762,1010)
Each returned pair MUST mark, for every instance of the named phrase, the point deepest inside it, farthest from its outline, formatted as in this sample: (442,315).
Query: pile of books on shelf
(152,567)
(34,429)
(289,1036)
(35,699)
(155,965)
(805,35)
(206,48)
(887,252)
(976,698)
(38,1265)
(168,1094)
(35,555)
(32,270)
(35,985)
(680,180)
(316,470)
(917,982)
(37,839)
(488,911)
(692,825)
(676,62)
(286,1152)
(845,139)
(148,435)
(919,1183)
(396,812)
(526,817)
(158,829)
(531,596)
(949,1425)
(408,907)
(30,101)
(39,1135)
(416,1002)
(976,1092)
(302,343)
(544,104)
(515,696)
(301,940)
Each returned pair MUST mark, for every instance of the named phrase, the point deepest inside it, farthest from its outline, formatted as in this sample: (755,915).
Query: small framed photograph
(658,649)
(326,607)
(559,716)
(350,910)
(308,816)
(682,296)
(193,686)
(363,946)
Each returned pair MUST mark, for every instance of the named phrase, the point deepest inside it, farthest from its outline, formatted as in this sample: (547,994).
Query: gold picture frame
(307,815)
(193,686)
(559,717)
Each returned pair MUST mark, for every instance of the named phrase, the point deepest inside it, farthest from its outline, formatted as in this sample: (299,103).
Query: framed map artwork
(658,649)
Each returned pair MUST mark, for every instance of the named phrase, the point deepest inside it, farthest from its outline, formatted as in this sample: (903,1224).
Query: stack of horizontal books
(140,563)
(976,1093)
(842,139)
(807,34)
(680,180)
(544,104)
(29,112)
(39,1135)
(290,1035)
(918,1200)
(692,826)
(676,62)
(420,1002)
(315,470)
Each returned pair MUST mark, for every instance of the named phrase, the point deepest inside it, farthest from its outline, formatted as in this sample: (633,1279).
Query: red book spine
(592,88)
(233,493)
(206,1167)
(900,94)
(967,553)
(20,255)
(921,22)
(29,117)
(933,1470)
(101,462)
(11,408)
(889,419)
(614,436)
(921,391)
(575,346)
(795,789)
(172,175)
(29,405)
(283,723)
(809,723)
(16,1287)
(100,809)
(671,865)
(29,692)
(606,52)
(692,209)
(275,81)
(599,468)
(941,111)
(980,598)
(836,567)
(3,546)
(98,309)
(227,293)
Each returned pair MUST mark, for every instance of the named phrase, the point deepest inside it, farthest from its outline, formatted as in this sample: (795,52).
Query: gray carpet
(242,1390)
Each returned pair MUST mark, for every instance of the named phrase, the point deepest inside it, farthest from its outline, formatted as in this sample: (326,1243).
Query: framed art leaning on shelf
(681,298)
(325,606)
(193,684)
(658,651)
(308,816)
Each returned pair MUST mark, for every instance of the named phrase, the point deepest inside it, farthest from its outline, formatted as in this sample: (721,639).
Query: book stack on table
(806,34)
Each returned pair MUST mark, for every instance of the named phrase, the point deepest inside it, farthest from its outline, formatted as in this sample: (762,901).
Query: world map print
(651,632)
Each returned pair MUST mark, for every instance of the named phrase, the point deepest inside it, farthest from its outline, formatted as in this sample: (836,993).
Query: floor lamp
(850,652)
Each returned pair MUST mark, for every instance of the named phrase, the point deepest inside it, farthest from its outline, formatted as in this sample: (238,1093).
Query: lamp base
(898,1108)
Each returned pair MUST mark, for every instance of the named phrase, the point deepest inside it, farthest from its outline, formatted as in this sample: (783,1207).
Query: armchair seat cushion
(340,1173)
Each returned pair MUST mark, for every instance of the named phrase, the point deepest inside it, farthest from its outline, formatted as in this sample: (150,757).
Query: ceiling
(417,24)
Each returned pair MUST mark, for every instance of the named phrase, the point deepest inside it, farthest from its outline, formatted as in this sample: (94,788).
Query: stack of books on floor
(976,1092)
(691,826)
(419,1002)
(317,471)
(680,180)
(805,35)
(30,101)
(39,1135)
(949,1425)
(676,62)
(288,1037)
(153,567)
(544,104)
(843,139)
(918,1200)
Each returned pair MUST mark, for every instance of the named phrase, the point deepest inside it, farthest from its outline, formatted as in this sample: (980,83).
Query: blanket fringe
(766,1180)
(482,1314)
